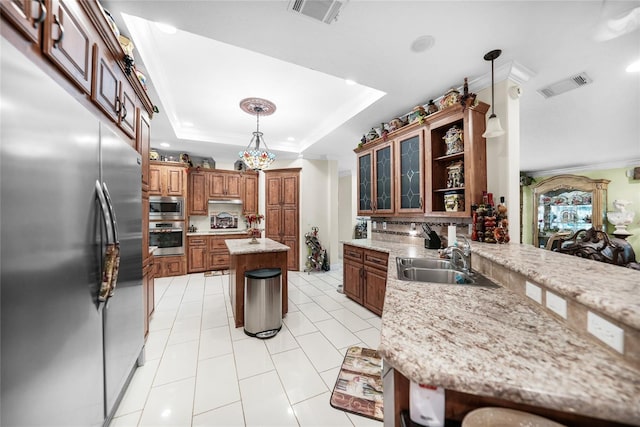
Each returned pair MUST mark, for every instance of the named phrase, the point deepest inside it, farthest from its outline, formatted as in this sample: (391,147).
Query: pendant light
(493,124)
(255,157)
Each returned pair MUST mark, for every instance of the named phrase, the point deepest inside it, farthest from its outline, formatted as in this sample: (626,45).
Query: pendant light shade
(493,124)
(254,156)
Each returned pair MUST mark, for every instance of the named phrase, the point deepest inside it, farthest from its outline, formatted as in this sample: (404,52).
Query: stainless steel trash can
(262,302)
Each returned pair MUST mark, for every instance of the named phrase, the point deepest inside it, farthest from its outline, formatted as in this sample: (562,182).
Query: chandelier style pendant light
(493,124)
(257,158)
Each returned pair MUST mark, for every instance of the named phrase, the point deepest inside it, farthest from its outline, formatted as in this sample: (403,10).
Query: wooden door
(375,283)
(352,279)
(197,254)
(26,15)
(143,144)
(250,198)
(175,181)
(283,211)
(409,173)
(127,108)
(106,86)
(233,187)
(67,42)
(155,180)
(198,201)
(365,186)
(383,185)
(216,185)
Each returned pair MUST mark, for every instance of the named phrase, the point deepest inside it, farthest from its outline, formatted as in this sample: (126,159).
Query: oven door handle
(166,230)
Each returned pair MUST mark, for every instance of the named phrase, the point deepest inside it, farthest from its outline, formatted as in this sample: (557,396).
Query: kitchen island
(246,256)
(498,344)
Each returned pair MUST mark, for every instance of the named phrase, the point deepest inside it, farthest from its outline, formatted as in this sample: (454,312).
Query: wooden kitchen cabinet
(198,203)
(376,181)
(365,276)
(26,15)
(197,254)
(473,159)
(250,190)
(224,185)
(409,172)
(165,266)
(148,296)
(167,180)
(353,272)
(113,94)
(282,211)
(209,252)
(68,43)
(143,142)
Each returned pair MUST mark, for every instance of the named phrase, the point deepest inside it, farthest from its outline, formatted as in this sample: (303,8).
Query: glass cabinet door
(409,173)
(566,204)
(364,184)
(383,180)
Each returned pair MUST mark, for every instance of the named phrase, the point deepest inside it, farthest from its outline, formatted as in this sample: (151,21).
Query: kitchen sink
(433,270)
(423,263)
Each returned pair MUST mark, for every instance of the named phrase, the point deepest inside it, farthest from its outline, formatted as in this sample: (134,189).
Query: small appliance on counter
(361,228)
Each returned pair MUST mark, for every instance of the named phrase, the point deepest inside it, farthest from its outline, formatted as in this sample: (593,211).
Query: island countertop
(490,342)
(242,246)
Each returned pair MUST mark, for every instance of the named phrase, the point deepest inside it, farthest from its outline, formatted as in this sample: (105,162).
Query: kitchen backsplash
(222,216)
(409,230)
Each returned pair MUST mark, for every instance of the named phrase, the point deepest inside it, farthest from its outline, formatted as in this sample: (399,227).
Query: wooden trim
(282,170)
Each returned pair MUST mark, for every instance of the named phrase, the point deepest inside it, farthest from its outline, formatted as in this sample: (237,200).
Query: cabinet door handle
(43,14)
(421,206)
(118,105)
(124,108)
(61,35)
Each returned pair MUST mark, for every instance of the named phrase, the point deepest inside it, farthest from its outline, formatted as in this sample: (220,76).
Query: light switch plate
(534,292)
(605,331)
(557,304)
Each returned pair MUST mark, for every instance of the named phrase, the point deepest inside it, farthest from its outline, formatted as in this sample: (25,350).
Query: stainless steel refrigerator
(66,356)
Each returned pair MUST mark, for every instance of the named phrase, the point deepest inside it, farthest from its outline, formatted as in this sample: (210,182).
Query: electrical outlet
(534,292)
(605,331)
(384,225)
(413,226)
(557,304)
(374,225)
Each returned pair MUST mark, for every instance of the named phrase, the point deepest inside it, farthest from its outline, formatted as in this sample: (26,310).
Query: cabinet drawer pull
(61,35)
(43,14)
(124,116)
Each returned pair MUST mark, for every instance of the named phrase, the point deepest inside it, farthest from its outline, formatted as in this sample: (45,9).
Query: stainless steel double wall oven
(166,225)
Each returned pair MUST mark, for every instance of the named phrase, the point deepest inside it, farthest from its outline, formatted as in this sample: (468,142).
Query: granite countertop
(242,246)
(216,232)
(490,342)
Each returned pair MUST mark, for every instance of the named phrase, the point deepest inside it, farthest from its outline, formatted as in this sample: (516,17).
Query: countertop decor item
(252,221)
(256,158)
(493,124)
(620,218)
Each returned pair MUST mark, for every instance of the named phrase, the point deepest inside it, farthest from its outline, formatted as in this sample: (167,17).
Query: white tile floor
(202,371)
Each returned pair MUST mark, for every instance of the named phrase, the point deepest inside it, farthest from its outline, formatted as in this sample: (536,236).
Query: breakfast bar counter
(495,342)
(246,256)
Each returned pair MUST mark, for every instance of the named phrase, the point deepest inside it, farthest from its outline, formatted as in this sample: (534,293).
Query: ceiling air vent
(320,10)
(565,85)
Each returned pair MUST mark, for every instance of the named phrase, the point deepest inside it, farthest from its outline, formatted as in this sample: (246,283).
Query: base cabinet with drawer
(365,276)
(165,266)
(207,252)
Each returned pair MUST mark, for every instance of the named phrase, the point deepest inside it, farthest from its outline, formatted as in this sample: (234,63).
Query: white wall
(503,153)
(318,202)
(346,211)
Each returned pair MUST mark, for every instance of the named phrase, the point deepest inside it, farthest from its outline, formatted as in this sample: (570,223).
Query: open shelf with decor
(455,160)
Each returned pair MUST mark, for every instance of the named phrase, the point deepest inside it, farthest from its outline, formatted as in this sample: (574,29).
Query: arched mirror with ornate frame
(566,204)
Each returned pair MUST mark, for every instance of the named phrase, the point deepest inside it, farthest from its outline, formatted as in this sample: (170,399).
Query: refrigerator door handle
(111,261)
(113,264)
(106,213)
(114,221)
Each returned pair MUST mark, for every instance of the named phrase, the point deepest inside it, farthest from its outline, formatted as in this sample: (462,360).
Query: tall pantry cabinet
(282,196)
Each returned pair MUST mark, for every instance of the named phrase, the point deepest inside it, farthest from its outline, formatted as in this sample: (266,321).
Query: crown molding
(513,71)
(584,168)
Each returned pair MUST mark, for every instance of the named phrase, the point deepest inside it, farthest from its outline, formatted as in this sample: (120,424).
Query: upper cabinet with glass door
(376,180)
(409,174)
(566,204)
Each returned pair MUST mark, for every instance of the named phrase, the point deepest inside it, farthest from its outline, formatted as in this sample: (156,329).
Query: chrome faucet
(461,255)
